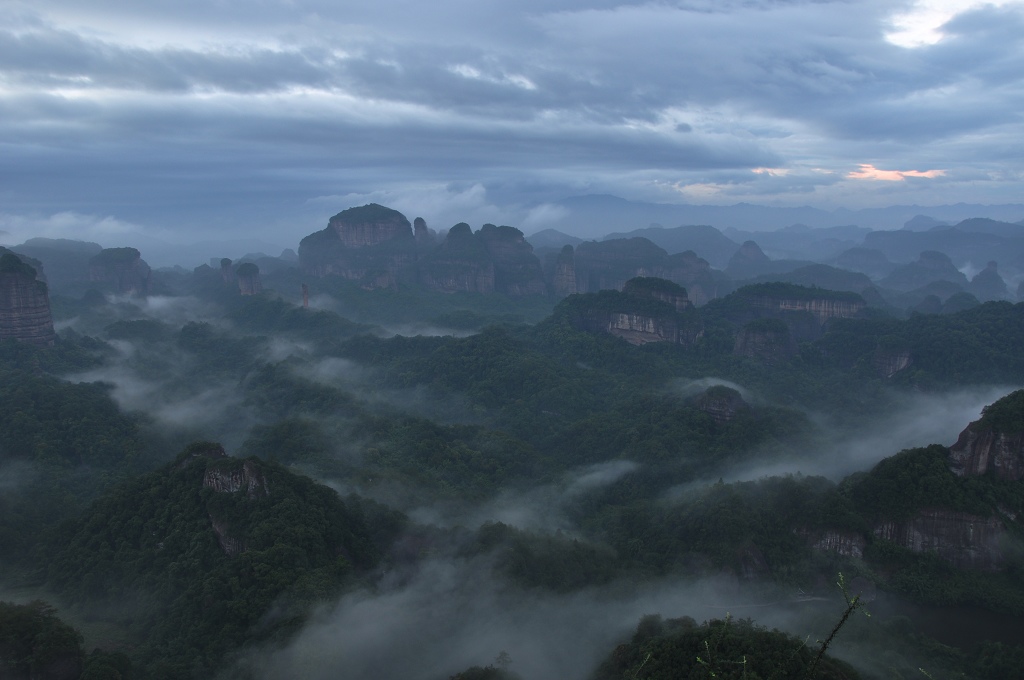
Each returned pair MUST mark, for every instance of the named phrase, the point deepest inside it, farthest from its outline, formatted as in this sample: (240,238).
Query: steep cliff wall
(563,273)
(975,453)
(765,340)
(721,403)
(249,282)
(822,309)
(844,543)
(233,476)
(639,314)
(24,303)
(491,260)
(370,225)
(371,245)
(121,270)
(890,361)
(966,541)
(517,270)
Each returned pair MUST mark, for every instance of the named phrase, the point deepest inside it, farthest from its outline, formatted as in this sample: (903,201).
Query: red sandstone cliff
(24,303)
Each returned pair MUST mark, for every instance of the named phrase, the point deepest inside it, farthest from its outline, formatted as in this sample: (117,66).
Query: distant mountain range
(602,213)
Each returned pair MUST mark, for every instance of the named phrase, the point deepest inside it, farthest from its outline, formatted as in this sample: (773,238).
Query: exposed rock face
(640,314)
(122,270)
(370,225)
(658,289)
(804,310)
(694,274)
(371,245)
(24,303)
(517,270)
(967,541)
(492,260)
(424,236)
(822,309)
(460,263)
(889,362)
(233,478)
(249,282)
(230,545)
(975,453)
(841,542)
(637,329)
(563,275)
(765,340)
(227,273)
(721,403)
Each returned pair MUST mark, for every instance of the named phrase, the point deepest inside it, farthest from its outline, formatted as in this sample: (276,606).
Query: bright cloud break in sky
(868,171)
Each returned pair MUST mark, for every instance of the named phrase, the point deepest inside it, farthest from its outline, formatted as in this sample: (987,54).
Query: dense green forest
(562,461)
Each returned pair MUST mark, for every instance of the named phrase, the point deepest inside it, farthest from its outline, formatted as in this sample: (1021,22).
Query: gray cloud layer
(240,115)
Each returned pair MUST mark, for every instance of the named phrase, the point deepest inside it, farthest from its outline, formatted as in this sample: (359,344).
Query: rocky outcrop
(370,225)
(249,282)
(843,543)
(964,540)
(517,270)
(230,545)
(658,289)
(424,235)
(646,310)
(460,263)
(235,476)
(765,340)
(491,260)
(24,303)
(693,273)
(121,271)
(563,273)
(721,403)
(994,443)
(371,245)
(227,272)
(888,361)
(821,308)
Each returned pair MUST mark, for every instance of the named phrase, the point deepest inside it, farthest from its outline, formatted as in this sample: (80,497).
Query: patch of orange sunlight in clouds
(868,171)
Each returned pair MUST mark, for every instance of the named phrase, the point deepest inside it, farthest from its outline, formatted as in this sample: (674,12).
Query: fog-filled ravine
(393,452)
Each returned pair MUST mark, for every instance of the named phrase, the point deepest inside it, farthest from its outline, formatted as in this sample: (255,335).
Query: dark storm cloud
(205,110)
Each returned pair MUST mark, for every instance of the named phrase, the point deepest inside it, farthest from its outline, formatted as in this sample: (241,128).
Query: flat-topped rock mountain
(372,245)
(646,310)
(121,271)
(379,248)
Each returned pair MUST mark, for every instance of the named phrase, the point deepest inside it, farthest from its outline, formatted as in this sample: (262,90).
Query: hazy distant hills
(603,213)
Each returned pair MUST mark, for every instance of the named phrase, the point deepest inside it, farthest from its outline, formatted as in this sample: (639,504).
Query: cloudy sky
(219,118)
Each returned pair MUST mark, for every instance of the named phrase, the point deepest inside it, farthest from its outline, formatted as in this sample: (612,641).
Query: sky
(217,119)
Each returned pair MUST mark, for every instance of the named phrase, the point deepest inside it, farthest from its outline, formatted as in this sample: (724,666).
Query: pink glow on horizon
(868,171)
